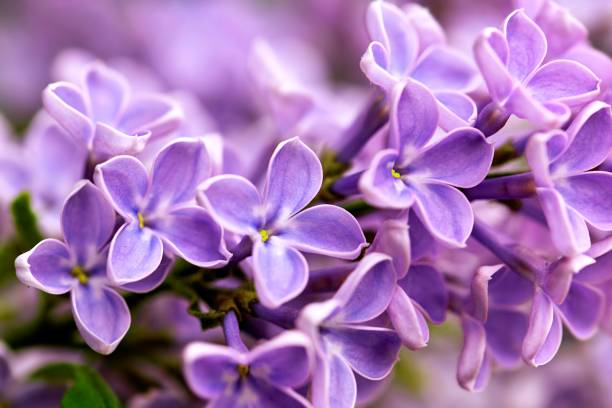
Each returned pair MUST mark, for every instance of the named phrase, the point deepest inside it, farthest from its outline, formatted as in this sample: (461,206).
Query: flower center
(395,174)
(141,222)
(265,235)
(243,370)
(80,274)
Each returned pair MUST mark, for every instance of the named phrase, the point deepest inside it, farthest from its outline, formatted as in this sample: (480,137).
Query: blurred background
(200,52)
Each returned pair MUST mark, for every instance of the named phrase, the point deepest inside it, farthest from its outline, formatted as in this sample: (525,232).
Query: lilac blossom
(102,116)
(159,212)
(409,45)
(419,172)
(78,265)
(511,63)
(276,223)
(568,192)
(261,377)
(347,345)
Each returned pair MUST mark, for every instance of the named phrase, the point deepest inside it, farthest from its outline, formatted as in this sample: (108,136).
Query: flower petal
(569,232)
(367,291)
(101,315)
(455,109)
(506,330)
(46,267)
(108,142)
(66,104)
(194,236)
(284,360)
(380,187)
(508,288)
(152,113)
(333,383)
(547,115)
(589,194)
(591,140)
(544,333)
(491,55)
(88,221)
(564,81)
(473,368)
(375,64)
(370,351)
(413,117)
(294,179)
(281,272)
(526,44)
(135,253)
(211,369)
(107,92)
(234,202)
(177,171)
(389,25)
(124,181)
(153,280)
(267,395)
(442,69)
(324,229)
(408,321)
(582,310)
(445,212)
(426,286)
(461,159)
(393,239)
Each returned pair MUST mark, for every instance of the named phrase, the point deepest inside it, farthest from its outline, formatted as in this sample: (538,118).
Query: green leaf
(24,218)
(88,388)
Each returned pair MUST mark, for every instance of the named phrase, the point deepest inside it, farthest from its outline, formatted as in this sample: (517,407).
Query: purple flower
(261,377)
(511,64)
(568,192)
(78,265)
(346,346)
(160,212)
(409,45)
(103,117)
(424,173)
(276,224)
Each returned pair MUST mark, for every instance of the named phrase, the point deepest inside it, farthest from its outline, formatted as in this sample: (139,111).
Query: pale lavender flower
(276,223)
(419,172)
(160,212)
(346,345)
(78,265)
(511,62)
(103,116)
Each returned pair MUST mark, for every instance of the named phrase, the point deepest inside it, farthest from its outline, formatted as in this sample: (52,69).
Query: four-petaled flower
(160,212)
(78,266)
(276,224)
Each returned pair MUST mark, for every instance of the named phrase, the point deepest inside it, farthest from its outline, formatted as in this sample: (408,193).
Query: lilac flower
(261,377)
(78,266)
(420,291)
(346,346)
(511,64)
(493,324)
(568,192)
(417,171)
(409,45)
(276,224)
(103,117)
(159,212)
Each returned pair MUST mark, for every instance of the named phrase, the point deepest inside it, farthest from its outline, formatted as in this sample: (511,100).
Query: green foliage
(26,228)
(86,387)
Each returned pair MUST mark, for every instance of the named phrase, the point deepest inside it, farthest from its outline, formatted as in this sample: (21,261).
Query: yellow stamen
(243,370)
(141,223)
(395,174)
(264,235)
(80,274)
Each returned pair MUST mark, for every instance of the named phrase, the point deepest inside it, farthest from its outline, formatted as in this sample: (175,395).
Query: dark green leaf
(24,218)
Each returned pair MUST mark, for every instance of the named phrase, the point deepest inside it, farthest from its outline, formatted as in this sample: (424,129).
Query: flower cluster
(467,188)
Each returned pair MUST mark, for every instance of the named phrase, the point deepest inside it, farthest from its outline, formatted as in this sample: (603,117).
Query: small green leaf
(87,387)
(24,218)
